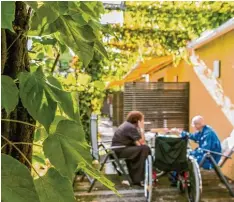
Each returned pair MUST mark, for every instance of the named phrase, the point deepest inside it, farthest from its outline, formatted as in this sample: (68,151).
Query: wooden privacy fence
(164,104)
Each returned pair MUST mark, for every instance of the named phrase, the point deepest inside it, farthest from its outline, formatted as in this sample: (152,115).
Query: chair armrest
(116,147)
(106,141)
(111,148)
(217,153)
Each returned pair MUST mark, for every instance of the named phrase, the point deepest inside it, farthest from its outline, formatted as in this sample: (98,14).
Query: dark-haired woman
(131,135)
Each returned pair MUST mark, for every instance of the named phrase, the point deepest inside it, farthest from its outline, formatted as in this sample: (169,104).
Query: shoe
(125,182)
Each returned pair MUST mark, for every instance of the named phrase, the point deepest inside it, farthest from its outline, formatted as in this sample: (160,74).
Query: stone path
(213,190)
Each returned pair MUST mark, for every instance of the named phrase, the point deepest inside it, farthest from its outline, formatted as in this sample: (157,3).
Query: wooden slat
(118,108)
(163,104)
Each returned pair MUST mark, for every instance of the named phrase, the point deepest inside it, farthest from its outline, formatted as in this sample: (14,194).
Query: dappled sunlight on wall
(214,88)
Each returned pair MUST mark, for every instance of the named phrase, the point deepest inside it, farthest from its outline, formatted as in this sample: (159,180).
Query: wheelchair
(170,154)
(161,162)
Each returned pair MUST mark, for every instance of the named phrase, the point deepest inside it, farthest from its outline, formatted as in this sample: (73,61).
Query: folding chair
(217,167)
(111,157)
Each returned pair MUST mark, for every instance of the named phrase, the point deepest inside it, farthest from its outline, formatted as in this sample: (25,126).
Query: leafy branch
(22,122)
(21,153)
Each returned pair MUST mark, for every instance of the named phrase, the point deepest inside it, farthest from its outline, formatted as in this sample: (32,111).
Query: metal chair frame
(217,167)
(111,157)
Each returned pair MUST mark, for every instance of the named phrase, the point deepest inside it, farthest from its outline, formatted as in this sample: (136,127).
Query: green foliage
(9,94)
(88,81)
(45,94)
(65,146)
(47,184)
(60,19)
(41,134)
(41,105)
(54,27)
(159,28)
(71,35)
(17,183)
(63,98)
(7,14)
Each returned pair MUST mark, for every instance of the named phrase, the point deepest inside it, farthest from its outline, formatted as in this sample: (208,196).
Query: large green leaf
(53,187)
(63,98)
(32,4)
(57,119)
(7,14)
(35,96)
(40,95)
(75,98)
(9,94)
(17,183)
(88,8)
(69,23)
(67,147)
(45,14)
(79,39)
(40,134)
(100,48)
(49,11)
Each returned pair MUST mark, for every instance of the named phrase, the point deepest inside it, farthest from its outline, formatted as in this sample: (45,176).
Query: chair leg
(221,176)
(82,177)
(203,159)
(74,180)
(223,162)
(102,166)
(116,169)
(122,169)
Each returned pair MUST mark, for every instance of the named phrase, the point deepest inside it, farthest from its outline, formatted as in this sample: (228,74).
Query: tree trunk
(15,60)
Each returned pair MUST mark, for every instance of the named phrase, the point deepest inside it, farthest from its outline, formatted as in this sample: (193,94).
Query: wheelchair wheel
(148,178)
(194,184)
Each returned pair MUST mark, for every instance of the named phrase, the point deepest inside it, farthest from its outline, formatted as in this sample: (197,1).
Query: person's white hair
(196,119)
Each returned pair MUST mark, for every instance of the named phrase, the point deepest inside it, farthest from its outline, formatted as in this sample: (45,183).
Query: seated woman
(131,135)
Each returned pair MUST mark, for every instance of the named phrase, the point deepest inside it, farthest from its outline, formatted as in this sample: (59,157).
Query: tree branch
(55,63)
(27,143)
(4,50)
(22,154)
(22,122)
(18,36)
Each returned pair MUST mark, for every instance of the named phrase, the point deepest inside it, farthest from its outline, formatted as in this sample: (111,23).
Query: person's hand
(177,131)
(141,124)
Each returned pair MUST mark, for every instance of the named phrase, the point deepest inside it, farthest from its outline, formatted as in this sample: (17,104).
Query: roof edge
(213,34)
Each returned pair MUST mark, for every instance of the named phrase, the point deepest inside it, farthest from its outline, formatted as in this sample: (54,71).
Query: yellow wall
(201,101)
(221,49)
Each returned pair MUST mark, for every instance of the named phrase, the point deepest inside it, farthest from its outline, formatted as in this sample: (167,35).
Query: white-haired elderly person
(205,137)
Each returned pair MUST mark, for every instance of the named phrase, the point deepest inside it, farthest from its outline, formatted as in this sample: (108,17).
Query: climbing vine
(158,28)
